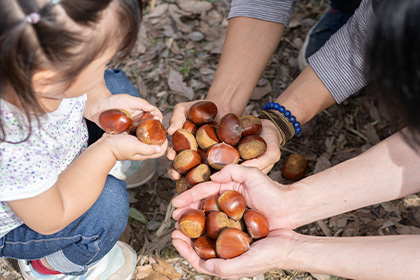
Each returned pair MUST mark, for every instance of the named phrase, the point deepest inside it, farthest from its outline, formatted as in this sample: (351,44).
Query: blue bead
(271,105)
(276,106)
(297,131)
(282,109)
(287,113)
(296,124)
(265,107)
(292,119)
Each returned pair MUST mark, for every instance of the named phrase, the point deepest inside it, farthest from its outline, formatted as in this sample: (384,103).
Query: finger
(185,249)
(196,193)
(178,212)
(171,154)
(178,117)
(152,151)
(173,174)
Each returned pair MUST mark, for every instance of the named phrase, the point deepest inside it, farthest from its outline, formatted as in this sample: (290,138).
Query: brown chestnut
(209,204)
(256,223)
(198,174)
(251,125)
(206,137)
(115,121)
(205,247)
(190,126)
(295,167)
(203,156)
(151,131)
(229,129)
(252,146)
(232,242)
(237,224)
(186,160)
(192,223)
(202,112)
(183,140)
(181,185)
(216,221)
(222,154)
(232,203)
(137,119)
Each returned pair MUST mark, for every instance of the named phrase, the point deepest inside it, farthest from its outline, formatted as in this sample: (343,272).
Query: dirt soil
(174,61)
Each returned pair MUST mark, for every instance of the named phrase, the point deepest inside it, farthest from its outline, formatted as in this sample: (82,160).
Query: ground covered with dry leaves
(175,60)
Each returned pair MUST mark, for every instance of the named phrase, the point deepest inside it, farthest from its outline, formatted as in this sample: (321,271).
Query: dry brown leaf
(260,92)
(194,6)
(176,83)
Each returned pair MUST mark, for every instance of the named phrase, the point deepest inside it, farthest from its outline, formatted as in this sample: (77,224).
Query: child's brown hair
(27,46)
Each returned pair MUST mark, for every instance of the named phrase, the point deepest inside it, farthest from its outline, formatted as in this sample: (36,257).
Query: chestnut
(151,131)
(186,160)
(190,126)
(198,174)
(209,204)
(202,112)
(232,242)
(137,119)
(205,247)
(252,146)
(192,223)
(181,185)
(206,137)
(183,140)
(222,154)
(229,129)
(115,121)
(251,125)
(256,223)
(232,203)
(237,224)
(216,221)
(203,156)
(295,167)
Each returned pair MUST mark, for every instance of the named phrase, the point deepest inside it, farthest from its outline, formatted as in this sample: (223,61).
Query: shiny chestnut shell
(295,167)
(200,173)
(209,204)
(256,223)
(222,154)
(115,121)
(183,139)
(232,242)
(252,146)
(229,129)
(202,112)
(185,161)
(232,203)
(192,223)
(216,221)
(205,247)
(251,125)
(151,131)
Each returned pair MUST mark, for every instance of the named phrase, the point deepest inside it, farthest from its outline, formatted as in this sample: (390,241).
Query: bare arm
(249,45)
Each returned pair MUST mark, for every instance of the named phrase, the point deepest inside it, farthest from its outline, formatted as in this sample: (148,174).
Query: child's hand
(133,105)
(128,147)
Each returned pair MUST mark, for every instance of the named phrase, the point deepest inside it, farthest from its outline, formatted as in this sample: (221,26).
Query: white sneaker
(118,264)
(134,173)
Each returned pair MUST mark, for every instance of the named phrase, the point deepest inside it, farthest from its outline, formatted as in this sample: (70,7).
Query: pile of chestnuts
(204,146)
(147,129)
(223,227)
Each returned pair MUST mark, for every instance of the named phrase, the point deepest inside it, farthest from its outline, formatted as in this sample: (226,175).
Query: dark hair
(25,47)
(393,62)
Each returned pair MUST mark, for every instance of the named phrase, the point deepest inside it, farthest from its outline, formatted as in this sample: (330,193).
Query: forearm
(306,96)
(370,258)
(387,171)
(75,191)
(248,47)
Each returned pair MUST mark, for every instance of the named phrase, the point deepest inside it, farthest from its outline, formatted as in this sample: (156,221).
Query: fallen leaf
(176,83)
(194,6)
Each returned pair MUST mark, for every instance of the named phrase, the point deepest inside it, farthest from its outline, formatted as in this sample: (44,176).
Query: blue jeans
(89,238)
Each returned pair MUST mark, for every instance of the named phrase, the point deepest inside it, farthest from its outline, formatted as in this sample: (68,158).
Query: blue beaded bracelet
(286,113)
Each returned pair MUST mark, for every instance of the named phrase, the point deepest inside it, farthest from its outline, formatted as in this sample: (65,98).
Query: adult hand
(272,137)
(265,254)
(259,190)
